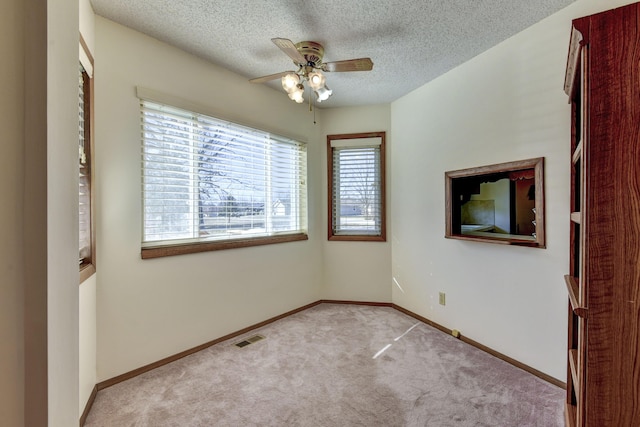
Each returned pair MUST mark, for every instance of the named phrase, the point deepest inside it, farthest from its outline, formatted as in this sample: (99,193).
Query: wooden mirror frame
(453,229)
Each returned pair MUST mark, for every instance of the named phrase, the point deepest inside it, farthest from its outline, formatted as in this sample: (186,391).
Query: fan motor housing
(312,51)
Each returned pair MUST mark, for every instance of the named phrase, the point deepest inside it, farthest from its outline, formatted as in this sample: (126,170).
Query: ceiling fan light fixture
(296,93)
(323,93)
(290,82)
(307,55)
(316,80)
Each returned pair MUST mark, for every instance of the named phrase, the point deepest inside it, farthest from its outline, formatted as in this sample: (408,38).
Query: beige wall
(356,271)
(87,23)
(87,293)
(505,104)
(41,83)
(62,210)
(11,188)
(151,309)
(87,372)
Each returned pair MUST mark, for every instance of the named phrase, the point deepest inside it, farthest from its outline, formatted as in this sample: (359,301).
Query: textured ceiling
(410,42)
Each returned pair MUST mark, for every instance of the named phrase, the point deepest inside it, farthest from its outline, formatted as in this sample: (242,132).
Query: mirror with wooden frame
(501,203)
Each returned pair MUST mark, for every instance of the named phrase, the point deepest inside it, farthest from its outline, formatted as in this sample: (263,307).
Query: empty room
(405,213)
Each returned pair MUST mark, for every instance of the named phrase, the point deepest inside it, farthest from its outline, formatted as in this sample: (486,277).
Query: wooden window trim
(383,226)
(192,248)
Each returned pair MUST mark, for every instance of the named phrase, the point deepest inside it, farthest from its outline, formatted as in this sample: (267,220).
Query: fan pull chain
(311,105)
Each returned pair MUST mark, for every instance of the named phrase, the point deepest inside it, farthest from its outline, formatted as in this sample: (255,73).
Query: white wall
(356,271)
(151,309)
(87,373)
(505,104)
(12,187)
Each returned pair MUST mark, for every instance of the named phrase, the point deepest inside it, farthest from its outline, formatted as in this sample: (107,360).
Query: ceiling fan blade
(360,64)
(270,77)
(290,49)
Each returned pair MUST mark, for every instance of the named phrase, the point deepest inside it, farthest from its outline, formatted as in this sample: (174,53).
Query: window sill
(191,248)
(86,271)
(357,238)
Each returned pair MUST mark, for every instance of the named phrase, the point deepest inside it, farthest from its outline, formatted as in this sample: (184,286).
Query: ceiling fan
(307,55)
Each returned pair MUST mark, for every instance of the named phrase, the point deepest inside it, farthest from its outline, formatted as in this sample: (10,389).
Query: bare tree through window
(207,178)
(356,186)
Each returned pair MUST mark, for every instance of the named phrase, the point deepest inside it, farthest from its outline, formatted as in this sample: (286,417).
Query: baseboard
(134,373)
(423,319)
(370,303)
(87,407)
(486,349)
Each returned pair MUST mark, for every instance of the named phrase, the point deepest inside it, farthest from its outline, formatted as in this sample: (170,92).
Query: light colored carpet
(335,365)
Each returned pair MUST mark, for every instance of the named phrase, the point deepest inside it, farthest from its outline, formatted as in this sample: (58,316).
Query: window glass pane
(357,186)
(207,179)
(356,195)
(84,190)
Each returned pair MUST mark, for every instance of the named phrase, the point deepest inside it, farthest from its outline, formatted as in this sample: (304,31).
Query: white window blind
(84,190)
(356,188)
(206,179)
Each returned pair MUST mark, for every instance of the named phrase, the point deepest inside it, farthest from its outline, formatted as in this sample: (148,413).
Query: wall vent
(249,340)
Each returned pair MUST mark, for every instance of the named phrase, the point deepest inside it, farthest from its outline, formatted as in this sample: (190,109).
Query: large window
(211,184)
(356,186)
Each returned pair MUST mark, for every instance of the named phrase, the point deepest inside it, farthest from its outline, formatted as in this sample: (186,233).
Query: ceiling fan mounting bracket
(313,52)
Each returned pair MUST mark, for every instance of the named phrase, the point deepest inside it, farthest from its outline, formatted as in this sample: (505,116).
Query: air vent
(249,340)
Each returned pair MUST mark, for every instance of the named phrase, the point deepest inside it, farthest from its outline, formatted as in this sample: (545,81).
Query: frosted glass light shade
(290,82)
(296,94)
(316,80)
(323,93)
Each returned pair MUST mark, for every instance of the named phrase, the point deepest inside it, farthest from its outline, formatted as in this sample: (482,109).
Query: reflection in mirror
(502,203)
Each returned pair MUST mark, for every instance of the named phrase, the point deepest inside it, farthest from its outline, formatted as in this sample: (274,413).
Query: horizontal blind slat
(356,199)
(84,174)
(205,178)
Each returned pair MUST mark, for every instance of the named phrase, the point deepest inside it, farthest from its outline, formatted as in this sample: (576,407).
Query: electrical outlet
(442,299)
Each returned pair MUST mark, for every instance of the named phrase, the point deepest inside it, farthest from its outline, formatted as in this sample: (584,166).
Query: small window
(85,217)
(356,186)
(211,184)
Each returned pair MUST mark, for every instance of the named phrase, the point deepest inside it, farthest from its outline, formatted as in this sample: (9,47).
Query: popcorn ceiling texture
(410,42)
